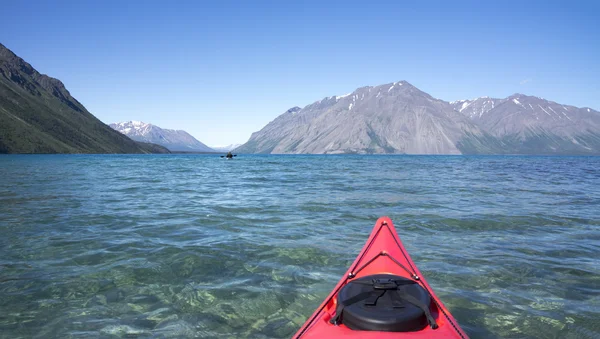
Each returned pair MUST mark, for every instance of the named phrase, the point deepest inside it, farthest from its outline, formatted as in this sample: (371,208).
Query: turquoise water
(198,246)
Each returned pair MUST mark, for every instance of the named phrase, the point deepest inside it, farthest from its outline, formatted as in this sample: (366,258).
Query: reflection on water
(195,246)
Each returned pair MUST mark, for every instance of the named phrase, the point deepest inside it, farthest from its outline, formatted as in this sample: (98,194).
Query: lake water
(199,246)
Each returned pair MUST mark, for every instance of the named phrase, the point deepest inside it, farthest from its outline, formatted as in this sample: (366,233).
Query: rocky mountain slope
(391,118)
(531,125)
(174,140)
(400,118)
(39,115)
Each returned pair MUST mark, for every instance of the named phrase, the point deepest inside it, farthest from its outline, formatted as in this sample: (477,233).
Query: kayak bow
(382,295)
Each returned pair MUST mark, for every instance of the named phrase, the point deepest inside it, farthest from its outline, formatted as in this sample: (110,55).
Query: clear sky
(223,69)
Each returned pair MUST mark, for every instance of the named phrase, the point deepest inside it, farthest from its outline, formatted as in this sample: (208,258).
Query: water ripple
(197,246)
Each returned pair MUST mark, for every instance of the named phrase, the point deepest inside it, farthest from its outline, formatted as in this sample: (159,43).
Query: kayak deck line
(383,253)
(323,324)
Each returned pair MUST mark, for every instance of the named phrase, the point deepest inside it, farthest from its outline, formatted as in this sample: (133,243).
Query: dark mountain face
(174,140)
(39,115)
(400,118)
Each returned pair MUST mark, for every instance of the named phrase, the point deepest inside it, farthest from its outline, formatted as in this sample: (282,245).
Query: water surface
(100,246)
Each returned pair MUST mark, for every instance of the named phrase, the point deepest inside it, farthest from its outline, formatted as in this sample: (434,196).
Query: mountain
(39,115)
(391,118)
(174,140)
(476,107)
(532,125)
(400,118)
(226,148)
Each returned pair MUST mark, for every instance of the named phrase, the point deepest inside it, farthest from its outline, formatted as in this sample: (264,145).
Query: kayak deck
(383,253)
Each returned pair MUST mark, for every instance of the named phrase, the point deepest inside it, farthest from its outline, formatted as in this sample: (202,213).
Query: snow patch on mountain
(174,140)
(464,105)
(338,97)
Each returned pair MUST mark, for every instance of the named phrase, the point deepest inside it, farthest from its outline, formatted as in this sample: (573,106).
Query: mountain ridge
(401,118)
(369,113)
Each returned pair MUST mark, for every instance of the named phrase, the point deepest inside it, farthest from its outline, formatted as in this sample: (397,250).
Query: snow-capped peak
(133,127)
(138,123)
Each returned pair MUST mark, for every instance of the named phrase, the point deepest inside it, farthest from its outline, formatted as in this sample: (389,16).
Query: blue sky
(223,69)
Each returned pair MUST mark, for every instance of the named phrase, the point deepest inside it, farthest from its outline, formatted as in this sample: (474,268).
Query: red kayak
(383,295)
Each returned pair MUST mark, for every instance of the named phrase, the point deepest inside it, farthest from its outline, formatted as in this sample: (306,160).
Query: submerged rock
(177,328)
(123,330)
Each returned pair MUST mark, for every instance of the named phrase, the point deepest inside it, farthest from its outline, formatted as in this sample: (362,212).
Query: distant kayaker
(229,155)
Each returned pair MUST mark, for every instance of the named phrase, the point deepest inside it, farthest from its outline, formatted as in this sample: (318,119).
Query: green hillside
(39,115)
